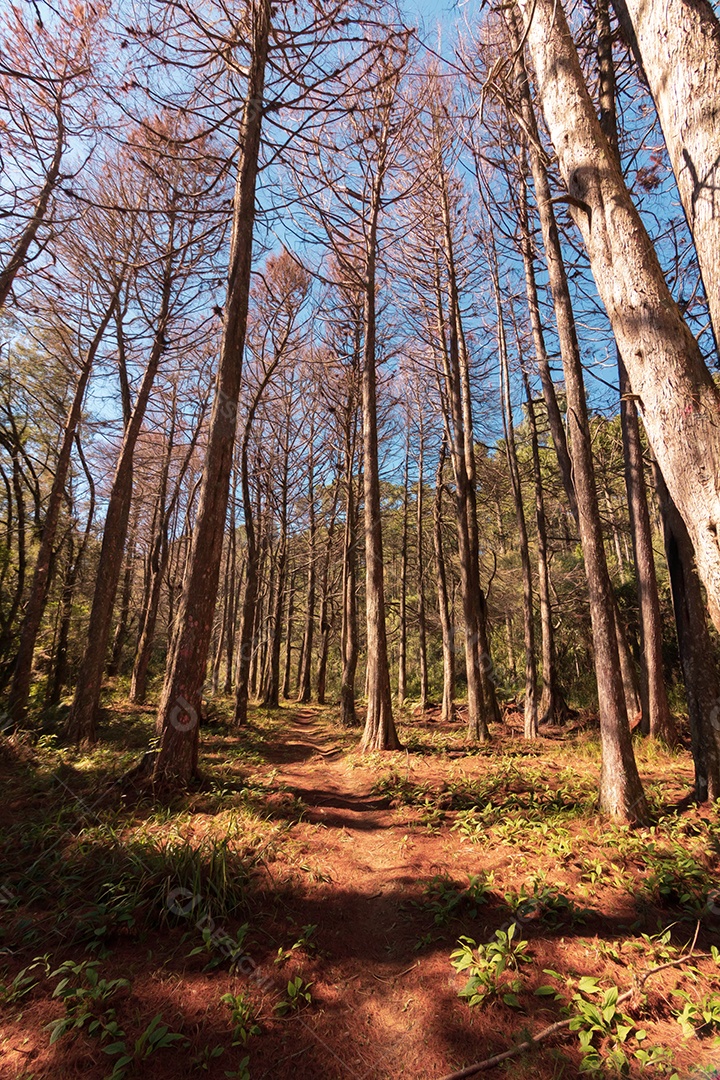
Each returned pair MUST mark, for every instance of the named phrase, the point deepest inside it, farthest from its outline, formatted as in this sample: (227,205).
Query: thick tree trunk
(656,718)
(179,710)
(675,392)
(702,685)
(621,793)
(37,598)
(679,48)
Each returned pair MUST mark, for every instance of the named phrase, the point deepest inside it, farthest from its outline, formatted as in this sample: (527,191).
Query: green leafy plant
(205,1058)
(489,967)
(24,982)
(602,1021)
(698,1017)
(546,904)
(304,942)
(85,1000)
(443,898)
(244,1017)
(242,1072)
(219,945)
(298,996)
(156,1036)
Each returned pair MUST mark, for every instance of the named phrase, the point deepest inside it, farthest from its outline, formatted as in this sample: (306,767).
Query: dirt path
(389,999)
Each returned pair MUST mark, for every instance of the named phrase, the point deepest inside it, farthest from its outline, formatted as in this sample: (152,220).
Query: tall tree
(674,390)
(678,46)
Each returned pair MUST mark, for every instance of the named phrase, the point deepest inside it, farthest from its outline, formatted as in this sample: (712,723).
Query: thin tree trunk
(123,626)
(402,643)
(380,733)
(37,598)
(420,576)
(448,636)
(350,633)
(59,679)
(469,567)
(491,708)
(83,715)
(305,676)
(531,716)
(287,674)
(325,621)
(553,709)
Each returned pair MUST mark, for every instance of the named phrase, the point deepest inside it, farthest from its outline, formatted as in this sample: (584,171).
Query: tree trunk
(656,708)
(325,620)
(82,719)
(531,715)
(287,674)
(37,598)
(656,718)
(469,566)
(380,733)
(448,636)
(178,714)
(122,629)
(679,48)
(247,642)
(420,572)
(621,793)
(305,677)
(702,685)
(350,633)
(402,643)
(553,709)
(676,394)
(482,641)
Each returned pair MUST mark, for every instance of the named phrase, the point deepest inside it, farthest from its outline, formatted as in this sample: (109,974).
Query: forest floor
(296,914)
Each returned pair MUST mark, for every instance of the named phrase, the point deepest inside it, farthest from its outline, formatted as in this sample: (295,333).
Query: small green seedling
(156,1036)
(488,967)
(298,996)
(244,1017)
